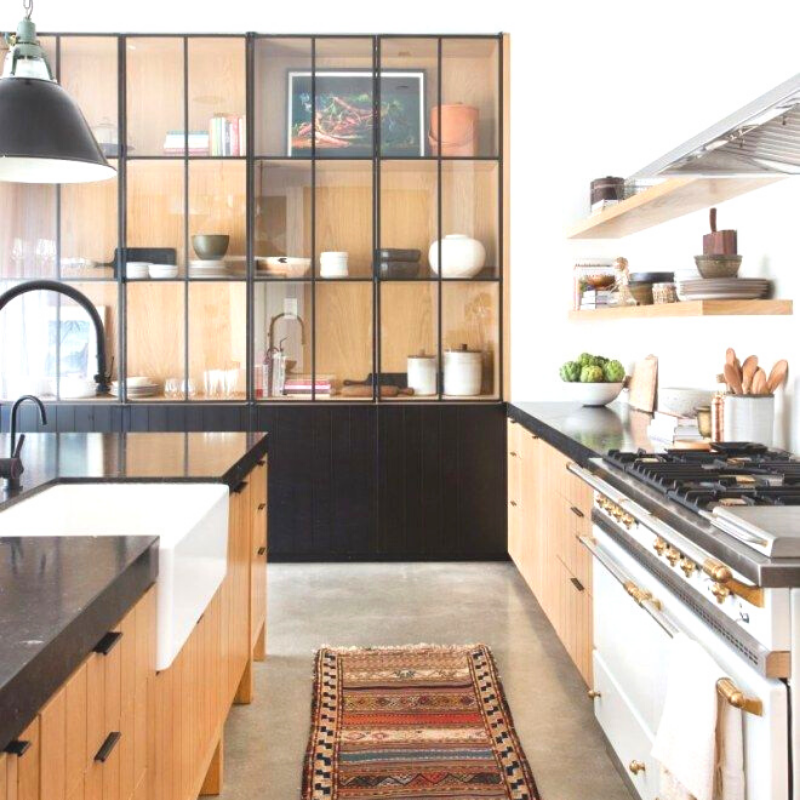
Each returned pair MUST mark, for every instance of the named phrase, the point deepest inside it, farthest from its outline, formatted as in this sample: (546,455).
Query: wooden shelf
(691,308)
(671,199)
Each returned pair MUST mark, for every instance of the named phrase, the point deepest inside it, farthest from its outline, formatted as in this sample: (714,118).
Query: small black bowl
(389,270)
(397,254)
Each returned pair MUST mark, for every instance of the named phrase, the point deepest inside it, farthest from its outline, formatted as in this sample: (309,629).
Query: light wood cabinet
(258,554)
(549,508)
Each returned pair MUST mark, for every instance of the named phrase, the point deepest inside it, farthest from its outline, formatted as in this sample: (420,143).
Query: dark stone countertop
(58,597)
(51,458)
(582,432)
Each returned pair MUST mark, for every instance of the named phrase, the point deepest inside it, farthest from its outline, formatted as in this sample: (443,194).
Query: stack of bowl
(393,263)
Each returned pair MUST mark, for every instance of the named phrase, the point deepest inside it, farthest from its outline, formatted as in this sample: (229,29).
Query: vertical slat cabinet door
(529,519)
(514,467)
(4,758)
(127,720)
(29,764)
(76,691)
(53,735)
(112,662)
(258,578)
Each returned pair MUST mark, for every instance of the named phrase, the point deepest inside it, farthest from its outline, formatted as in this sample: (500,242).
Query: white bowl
(594,394)
(682,401)
(462,256)
(137,269)
(77,388)
(163,271)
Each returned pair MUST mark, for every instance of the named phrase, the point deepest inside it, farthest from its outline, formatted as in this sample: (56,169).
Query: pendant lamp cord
(28,6)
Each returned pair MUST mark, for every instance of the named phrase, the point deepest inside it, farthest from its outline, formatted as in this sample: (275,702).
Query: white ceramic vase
(462,256)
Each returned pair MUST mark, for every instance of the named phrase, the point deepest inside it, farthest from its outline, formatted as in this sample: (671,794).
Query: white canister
(421,373)
(333,264)
(463,370)
(462,256)
(748,418)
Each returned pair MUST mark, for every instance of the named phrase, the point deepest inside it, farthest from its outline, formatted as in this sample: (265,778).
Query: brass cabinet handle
(594,694)
(576,511)
(636,767)
(716,571)
(737,698)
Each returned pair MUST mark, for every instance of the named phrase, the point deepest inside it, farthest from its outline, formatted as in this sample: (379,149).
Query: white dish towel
(699,741)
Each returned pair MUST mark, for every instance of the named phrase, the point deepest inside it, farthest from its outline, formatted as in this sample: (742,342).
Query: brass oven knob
(720,592)
(627,520)
(636,767)
(594,694)
(688,566)
(659,545)
(673,556)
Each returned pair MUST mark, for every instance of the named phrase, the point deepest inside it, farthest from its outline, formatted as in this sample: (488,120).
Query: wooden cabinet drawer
(573,620)
(27,765)
(575,522)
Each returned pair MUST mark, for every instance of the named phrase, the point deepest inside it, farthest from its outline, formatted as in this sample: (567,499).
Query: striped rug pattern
(405,723)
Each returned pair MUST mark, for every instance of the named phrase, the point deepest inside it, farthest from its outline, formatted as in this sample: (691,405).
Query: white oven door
(630,660)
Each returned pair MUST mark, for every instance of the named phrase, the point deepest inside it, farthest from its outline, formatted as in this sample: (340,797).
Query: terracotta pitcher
(459,135)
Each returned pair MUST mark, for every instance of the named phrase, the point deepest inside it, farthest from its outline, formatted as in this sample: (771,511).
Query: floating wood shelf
(691,308)
(673,198)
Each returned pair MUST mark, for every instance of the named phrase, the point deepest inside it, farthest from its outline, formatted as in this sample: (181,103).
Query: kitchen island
(82,707)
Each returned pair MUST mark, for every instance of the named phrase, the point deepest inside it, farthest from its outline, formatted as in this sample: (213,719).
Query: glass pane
(344,89)
(283,219)
(156,211)
(344,219)
(470,219)
(155,338)
(88,71)
(343,319)
(217,104)
(409,335)
(27,345)
(77,349)
(408,223)
(218,340)
(155,97)
(470,98)
(409,86)
(27,230)
(282,340)
(278,64)
(89,229)
(218,208)
(470,322)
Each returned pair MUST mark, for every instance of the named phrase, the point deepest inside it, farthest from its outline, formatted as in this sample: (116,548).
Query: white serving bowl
(682,401)
(462,256)
(594,394)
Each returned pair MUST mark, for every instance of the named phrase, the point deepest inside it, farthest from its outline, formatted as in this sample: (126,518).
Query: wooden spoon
(733,379)
(778,375)
(748,371)
(730,356)
(760,382)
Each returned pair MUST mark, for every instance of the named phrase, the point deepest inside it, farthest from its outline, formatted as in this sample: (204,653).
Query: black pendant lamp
(44,137)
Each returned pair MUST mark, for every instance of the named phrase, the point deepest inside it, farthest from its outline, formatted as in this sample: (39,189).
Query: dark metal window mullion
(186,219)
(313,218)
(249,212)
(377,333)
(59,276)
(122,213)
(439,223)
(500,390)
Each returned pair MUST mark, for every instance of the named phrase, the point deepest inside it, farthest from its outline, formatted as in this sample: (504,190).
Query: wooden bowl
(600,281)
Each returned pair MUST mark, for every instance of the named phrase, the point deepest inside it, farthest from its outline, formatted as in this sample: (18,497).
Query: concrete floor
(380,604)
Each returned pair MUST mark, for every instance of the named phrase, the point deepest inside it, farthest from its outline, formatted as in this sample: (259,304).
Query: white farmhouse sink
(190,519)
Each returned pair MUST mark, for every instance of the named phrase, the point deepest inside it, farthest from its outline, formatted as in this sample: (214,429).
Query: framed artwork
(344,111)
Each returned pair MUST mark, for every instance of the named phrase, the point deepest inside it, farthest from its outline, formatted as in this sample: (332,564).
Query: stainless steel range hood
(761,139)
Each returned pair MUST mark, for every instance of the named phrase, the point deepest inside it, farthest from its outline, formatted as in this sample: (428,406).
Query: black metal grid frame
(252,158)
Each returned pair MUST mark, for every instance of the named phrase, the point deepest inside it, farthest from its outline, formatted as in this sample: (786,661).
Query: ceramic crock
(421,374)
(463,370)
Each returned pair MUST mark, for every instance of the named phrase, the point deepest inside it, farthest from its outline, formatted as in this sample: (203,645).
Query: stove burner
(734,473)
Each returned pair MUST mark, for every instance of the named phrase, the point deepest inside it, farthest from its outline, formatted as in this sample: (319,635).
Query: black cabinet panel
(351,481)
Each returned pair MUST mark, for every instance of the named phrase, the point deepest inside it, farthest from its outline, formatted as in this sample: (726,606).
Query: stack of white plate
(201,268)
(723,289)
(138,387)
(137,270)
(333,264)
(162,272)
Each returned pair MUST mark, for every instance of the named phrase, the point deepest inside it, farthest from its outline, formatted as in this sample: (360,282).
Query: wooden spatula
(778,375)
(730,356)
(759,382)
(733,378)
(748,371)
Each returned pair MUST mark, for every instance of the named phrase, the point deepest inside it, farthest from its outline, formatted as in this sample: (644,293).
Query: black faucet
(11,468)
(103,378)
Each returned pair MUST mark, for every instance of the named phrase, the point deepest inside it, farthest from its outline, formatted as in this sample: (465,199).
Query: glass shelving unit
(312,155)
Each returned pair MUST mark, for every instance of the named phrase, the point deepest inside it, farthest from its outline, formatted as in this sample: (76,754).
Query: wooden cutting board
(643,384)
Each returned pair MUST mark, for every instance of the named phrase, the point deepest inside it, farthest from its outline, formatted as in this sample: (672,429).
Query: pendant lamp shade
(44,137)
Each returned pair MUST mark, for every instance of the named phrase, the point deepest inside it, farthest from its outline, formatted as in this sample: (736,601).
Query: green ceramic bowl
(210,246)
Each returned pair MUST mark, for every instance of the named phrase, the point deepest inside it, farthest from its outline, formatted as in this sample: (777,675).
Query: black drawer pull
(262,550)
(108,643)
(514,503)
(262,506)
(261,462)
(577,584)
(108,745)
(576,511)
(18,747)
(240,487)
(512,453)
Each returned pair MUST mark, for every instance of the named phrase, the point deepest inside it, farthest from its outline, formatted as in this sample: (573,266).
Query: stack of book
(227,135)
(584,295)
(670,428)
(175,143)
(596,298)
(302,386)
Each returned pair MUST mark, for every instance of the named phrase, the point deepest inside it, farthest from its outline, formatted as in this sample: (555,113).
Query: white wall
(598,88)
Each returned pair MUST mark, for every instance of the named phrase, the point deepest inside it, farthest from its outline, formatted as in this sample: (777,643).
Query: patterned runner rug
(405,723)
